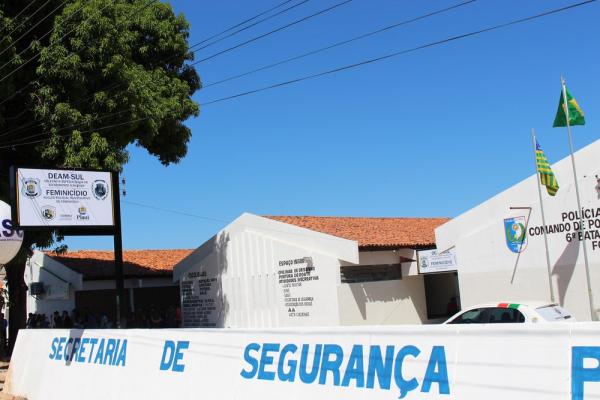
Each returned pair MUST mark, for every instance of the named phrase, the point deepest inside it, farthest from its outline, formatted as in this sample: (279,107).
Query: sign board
(63,198)
(430,261)
(449,362)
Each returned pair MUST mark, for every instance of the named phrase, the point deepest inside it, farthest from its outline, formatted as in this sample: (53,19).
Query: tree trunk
(17,297)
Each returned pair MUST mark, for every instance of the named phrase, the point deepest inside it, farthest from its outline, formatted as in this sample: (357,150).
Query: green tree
(111,73)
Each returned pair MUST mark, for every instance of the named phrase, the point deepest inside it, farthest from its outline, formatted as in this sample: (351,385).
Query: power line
(241,23)
(385,57)
(273,31)
(33,123)
(10,146)
(187,214)
(34,26)
(19,14)
(310,53)
(249,26)
(365,62)
(104,116)
(42,37)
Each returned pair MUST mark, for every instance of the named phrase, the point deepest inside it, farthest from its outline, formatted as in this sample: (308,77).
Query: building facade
(501,249)
(84,280)
(314,271)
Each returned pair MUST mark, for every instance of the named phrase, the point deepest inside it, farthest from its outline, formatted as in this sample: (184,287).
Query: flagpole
(539,185)
(580,210)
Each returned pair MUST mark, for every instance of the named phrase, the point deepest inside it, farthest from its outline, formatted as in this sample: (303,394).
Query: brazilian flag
(576,116)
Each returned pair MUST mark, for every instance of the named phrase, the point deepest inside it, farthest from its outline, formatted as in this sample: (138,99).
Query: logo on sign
(516,235)
(100,189)
(82,213)
(31,187)
(48,212)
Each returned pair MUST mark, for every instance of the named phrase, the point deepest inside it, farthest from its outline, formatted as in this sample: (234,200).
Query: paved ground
(3,370)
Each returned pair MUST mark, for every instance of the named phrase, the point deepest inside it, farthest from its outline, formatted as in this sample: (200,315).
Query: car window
(499,315)
(475,316)
(553,313)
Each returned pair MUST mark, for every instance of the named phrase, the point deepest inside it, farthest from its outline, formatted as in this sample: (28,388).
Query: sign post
(118,249)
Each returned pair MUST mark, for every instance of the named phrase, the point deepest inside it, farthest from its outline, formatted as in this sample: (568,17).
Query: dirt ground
(3,371)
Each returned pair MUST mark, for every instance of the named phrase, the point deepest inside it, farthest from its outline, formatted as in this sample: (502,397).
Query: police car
(497,313)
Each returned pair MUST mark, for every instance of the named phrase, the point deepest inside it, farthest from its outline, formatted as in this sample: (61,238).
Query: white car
(528,312)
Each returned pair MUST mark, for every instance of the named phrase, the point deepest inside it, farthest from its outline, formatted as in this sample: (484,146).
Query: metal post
(118,248)
(539,185)
(580,210)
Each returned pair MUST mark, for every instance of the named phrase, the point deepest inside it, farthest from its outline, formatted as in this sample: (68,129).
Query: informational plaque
(63,198)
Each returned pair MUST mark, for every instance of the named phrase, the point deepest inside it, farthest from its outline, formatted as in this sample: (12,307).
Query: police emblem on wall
(48,212)
(515,233)
(31,187)
(100,189)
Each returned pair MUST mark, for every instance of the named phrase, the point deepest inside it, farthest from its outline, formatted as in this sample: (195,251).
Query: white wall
(557,361)
(383,303)
(248,276)
(489,271)
(59,285)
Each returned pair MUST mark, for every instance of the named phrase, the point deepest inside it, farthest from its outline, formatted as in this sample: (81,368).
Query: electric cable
(241,23)
(397,53)
(33,123)
(33,27)
(272,31)
(249,26)
(40,38)
(355,65)
(310,53)
(187,214)
(18,15)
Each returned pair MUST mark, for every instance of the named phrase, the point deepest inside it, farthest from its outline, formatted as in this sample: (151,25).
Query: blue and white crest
(515,233)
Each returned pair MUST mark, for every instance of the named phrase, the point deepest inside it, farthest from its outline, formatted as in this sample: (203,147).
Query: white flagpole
(539,185)
(580,211)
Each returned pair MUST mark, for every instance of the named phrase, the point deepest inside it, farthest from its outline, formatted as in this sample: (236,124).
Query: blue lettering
(437,371)
(305,376)
(404,385)
(93,342)
(99,353)
(380,368)
(331,365)
(168,355)
(182,345)
(290,375)
(66,355)
(59,349)
(75,348)
(251,361)
(266,360)
(7,224)
(80,355)
(580,374)
(110,348)
(53,348)
(122,354)
(355,367)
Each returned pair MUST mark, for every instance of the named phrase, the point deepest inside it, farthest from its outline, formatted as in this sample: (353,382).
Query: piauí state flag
(547,177)
(576,116)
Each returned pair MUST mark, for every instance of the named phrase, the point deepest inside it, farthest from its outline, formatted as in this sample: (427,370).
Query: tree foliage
(81,84)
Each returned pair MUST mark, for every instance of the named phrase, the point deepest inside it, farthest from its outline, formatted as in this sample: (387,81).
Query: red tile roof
(373,233)
(94,264)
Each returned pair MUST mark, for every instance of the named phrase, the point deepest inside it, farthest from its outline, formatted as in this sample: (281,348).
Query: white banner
(48,197)
(431,261)
(543,361)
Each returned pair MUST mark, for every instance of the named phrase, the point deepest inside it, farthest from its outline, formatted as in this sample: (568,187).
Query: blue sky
(431,133)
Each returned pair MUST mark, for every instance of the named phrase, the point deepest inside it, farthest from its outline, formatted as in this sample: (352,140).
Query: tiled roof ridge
(346,217)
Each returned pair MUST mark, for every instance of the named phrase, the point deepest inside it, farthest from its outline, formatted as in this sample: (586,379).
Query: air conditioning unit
(36,288)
